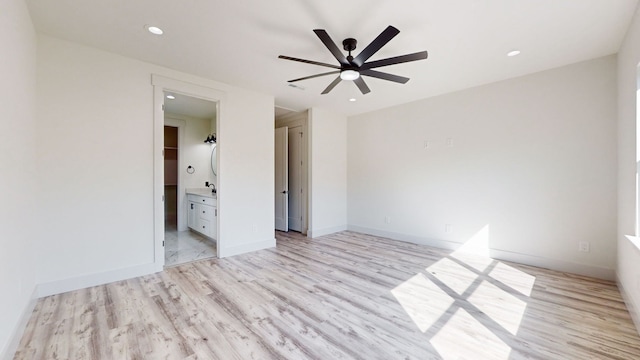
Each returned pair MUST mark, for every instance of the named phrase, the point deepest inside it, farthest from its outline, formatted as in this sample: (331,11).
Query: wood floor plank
(341,296)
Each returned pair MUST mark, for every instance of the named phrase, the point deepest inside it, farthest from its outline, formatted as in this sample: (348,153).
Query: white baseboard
(553,264)
(245,248)
(633,310)
(81,282)
(325,231)
(442,244)
(16,335)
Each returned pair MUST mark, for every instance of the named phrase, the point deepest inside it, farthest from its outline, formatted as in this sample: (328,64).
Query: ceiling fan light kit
(349,75)
(353,69)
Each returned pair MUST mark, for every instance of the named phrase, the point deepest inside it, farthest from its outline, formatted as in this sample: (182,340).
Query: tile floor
(186,246)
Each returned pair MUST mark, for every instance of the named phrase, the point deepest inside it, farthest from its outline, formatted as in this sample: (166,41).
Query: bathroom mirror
(214,168)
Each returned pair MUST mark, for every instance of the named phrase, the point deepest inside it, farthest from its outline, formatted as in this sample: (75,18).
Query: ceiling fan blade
(385,76)
(308,61)
(389,33)
(314,76)
(332,85)
(395,60)
(364,89)
(331,45)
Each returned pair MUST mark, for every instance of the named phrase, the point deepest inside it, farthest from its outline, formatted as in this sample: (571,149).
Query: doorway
(294,166)
(189,125)
(161,85)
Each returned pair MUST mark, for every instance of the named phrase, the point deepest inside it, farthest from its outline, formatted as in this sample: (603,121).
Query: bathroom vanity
(202,213)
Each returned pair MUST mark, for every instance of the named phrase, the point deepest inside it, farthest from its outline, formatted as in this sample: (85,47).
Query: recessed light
(352,99)
(170,97)
(155,30)
(513,53)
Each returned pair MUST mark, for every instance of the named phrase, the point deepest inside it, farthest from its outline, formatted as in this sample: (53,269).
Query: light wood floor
(343,296)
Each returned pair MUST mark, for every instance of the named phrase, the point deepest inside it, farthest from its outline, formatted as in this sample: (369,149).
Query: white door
(282,179)
(295,178)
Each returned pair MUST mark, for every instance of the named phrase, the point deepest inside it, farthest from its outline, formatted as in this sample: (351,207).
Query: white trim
(201,91)
(542,262)
(15,337)
(245,248)
(633,311)
(555,264)
(82,282)
(442,244)
(325,231)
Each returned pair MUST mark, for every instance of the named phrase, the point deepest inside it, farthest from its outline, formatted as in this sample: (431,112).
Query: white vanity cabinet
(202,214)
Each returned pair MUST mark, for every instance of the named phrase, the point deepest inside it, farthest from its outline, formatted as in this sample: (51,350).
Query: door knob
(284,192)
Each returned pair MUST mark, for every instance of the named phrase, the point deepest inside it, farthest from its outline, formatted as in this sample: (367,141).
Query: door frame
(160,85)
(299,171)
(281,189)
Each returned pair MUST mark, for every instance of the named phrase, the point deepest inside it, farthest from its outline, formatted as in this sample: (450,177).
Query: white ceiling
(238,42)
(190,106)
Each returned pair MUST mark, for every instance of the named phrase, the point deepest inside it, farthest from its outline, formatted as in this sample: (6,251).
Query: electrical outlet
(450,142)
(254,228)
(583,246)
(387,219)
(448,228)
(426,144)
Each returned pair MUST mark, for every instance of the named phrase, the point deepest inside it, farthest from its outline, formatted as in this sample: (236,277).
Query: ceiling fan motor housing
(349,44)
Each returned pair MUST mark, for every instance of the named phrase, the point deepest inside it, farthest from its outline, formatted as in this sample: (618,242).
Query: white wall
(95,114)
(18,217)
(328,173)
(193,151)
(246,173)
(628,252)
(533,162)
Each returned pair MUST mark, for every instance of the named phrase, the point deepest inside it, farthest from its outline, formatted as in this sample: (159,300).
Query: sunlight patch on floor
(452,274)
(494,294)
(452,344)
(502,307)
(514,278)
(423,301)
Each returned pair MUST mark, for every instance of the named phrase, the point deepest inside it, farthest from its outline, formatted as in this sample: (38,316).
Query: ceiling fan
(351,68)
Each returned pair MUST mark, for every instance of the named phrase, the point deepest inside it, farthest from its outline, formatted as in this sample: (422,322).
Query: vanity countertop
(202,192)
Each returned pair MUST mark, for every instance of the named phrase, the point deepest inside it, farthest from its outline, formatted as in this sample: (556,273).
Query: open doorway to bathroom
(190,207)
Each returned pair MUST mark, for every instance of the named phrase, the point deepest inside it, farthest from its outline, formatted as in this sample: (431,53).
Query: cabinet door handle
(191,206)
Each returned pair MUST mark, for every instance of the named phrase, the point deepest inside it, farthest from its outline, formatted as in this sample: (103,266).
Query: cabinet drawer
(202,200)
(206,212)
(205,227)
